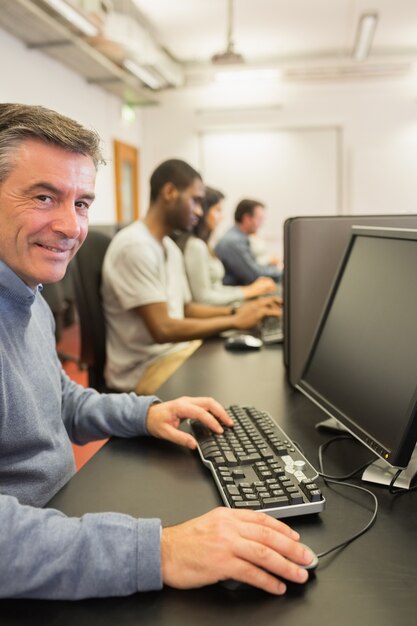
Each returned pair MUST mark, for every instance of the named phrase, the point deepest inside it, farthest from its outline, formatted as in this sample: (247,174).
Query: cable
(345,542)
(391,487)
(338,481)
(320,453)
(325,445)
(398,490)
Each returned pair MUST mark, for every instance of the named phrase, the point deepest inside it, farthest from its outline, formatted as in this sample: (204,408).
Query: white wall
(377,121)
(30,77)
(293,171)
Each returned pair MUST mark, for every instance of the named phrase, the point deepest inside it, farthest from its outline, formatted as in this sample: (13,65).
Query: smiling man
(151,319)
(44,217)
(47,174)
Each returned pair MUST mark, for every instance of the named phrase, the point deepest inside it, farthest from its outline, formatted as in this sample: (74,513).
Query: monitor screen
(362,368)
(313,250)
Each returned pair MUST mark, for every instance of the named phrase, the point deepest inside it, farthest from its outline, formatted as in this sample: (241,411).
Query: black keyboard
(270,329)
(256,466)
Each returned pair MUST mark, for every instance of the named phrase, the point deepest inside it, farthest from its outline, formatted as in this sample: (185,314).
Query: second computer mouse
(243,342)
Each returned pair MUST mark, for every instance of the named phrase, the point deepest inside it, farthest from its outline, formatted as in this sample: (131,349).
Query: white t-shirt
(139,270)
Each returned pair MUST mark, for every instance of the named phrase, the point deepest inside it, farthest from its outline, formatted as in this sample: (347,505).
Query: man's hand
(164,419)
(259,287)
(246,546)
(252,312)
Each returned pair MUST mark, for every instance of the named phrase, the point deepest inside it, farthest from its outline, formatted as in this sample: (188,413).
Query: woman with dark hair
(204,270)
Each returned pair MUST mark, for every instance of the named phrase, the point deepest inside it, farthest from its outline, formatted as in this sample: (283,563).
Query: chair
(60,298)
(86,272)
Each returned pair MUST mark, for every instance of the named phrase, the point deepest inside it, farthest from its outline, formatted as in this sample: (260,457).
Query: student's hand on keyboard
(164,419)
(223,544)
(259,287)
(251,312)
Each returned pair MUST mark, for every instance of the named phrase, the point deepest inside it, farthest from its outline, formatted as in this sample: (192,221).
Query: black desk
(371,582)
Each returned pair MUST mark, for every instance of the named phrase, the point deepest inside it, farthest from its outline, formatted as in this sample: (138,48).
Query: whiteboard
(292,171)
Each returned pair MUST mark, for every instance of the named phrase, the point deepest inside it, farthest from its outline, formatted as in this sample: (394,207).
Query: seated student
(261,253)
(47,177)
(150,316)
(234,249)
(205,272)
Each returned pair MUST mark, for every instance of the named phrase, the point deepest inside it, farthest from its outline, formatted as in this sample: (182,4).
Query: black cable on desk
(398,490)
(329,477)
(338,480)
(363,530)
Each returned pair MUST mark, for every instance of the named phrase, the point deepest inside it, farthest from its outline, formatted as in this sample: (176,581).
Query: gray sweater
(43,553)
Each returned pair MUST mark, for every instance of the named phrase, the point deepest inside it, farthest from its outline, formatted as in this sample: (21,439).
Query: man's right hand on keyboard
(250,313)
(245,546)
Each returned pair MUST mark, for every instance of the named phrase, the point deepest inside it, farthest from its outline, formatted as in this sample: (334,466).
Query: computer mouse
(243,342)
(235,585)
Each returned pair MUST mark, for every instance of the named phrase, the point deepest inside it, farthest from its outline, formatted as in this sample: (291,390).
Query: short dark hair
(174,171)
(21,121)
(246,207)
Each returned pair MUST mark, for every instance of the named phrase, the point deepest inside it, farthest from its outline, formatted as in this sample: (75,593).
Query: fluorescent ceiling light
(139,45)
(145,75)
(364,36)
(226,76)
(74,17)
(170,70)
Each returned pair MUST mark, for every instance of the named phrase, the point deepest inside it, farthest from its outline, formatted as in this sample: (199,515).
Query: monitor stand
(331,424)
(379,471)
(383,473)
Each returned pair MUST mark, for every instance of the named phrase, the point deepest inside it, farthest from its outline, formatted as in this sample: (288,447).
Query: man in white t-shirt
(150,317)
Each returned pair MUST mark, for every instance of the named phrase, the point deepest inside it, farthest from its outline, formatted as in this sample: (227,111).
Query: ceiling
(306,40)
(195,29)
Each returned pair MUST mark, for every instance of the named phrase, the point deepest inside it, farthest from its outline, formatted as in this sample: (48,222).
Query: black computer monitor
(313,250)
(362,368)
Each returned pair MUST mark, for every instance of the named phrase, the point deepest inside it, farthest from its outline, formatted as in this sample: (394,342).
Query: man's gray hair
(20,121)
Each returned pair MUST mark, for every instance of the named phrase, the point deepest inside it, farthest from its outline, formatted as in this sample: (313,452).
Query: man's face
(255,221)
(185,206)
(44,205)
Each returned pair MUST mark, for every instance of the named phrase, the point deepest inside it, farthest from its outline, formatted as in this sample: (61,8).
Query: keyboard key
(296,498)
(276,501)
(292,490)
(249,458)
(315,496)
(252,504)
(212,454)
(230,459)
